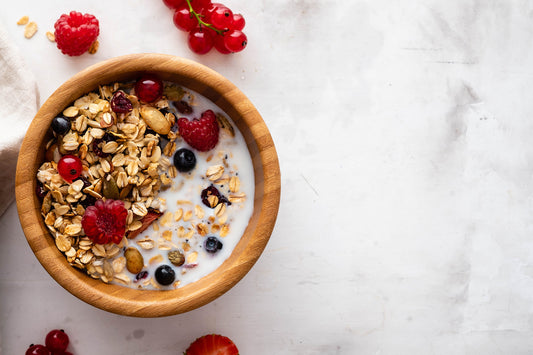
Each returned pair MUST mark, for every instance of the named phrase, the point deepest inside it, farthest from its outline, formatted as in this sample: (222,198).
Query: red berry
(235,40)
(57,341)
(212,344)
(37,350)
(149,88)
(200,41)
(174,4)
(198,5)
(201,134)
(69,167)
(221,17)
(76,32)
(238,22)
(120,102)
(218,43)
(105,222)
(184,20)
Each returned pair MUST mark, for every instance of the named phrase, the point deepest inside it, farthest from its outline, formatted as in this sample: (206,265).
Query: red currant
(238,22)
(221,17)
(69,167)
(149,88)
(57,341)
(174,4)
(235,40)
(218,43)
(184,20)
(37,350)
(200,41)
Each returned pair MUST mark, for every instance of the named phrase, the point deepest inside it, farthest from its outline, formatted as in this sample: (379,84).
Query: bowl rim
(147,303)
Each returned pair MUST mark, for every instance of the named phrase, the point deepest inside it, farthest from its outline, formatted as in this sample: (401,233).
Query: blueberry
(184,160)
(60,125)
(165,275)
(212,245)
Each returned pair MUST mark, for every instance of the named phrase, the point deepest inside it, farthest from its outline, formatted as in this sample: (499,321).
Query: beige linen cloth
(18,105)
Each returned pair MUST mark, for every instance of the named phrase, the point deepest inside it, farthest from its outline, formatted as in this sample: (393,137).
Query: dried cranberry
(141,275)
(213,191)
(89,200)
(97,150)
(39,190)
(86,182)
(120,102)
(183,107)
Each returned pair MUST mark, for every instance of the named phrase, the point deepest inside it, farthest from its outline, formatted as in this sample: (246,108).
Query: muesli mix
(145,184)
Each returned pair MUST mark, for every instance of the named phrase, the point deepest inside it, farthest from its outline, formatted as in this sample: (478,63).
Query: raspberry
(201,134)
(105,222)
(76,32)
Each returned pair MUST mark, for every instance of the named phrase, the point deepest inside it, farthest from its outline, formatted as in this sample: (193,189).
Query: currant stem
(200,21)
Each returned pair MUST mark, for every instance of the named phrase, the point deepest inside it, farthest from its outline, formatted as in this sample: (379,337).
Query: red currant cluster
(56,344)
(209,25)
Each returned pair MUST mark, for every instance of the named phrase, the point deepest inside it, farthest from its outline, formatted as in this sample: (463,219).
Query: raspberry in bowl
(164,215)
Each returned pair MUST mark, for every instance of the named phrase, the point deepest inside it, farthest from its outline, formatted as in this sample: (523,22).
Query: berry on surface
(238,22)
(201,134)
(235,40)
(184,160)
(149,88)
(60,125)
(57,341)
(69,167)
(37,349)
(212,344)
(105,222)
(212,245)
(76,32)
(174,4)
(165,275)
(184,20)
(200,41)
(221,16)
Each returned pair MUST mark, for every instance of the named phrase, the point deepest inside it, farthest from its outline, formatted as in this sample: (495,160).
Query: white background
(404,135)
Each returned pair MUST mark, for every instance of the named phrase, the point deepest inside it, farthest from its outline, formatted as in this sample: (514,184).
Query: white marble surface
(404,137)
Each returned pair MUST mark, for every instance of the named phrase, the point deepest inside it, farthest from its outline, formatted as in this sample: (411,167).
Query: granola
(128,157)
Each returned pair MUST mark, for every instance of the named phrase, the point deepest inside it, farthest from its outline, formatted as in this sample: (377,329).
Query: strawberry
(201,134)
(212,344)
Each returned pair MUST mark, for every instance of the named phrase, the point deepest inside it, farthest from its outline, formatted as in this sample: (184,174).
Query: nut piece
(134,260)
(176,257)
(155,119)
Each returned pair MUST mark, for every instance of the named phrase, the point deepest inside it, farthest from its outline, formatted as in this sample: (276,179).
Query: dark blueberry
(165,275)
(212,245)
(60,125)
(184,160)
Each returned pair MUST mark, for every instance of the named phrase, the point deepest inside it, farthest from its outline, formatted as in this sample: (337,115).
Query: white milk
(188,187)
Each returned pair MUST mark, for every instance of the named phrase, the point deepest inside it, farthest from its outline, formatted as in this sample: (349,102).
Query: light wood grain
(122,300)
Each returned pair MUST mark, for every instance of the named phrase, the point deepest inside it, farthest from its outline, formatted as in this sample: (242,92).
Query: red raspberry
(201,134)
(76,32)
(105,222)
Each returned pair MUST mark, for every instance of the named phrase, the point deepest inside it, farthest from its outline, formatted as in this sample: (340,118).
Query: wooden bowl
(147,303)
